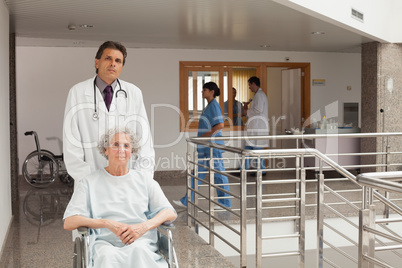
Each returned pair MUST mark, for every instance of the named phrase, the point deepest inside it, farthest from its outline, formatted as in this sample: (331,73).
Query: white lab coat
(81,133)
(257,122)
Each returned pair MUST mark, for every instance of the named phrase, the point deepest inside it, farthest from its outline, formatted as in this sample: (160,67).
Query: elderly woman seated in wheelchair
(121,207)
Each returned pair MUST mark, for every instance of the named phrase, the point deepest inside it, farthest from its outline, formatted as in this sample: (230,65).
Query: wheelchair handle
(36,139)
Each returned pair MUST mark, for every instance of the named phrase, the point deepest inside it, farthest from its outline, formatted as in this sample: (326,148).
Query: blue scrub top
(237,109)
(211,116)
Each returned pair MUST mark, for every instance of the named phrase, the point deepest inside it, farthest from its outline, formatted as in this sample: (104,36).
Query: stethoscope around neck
(95,116)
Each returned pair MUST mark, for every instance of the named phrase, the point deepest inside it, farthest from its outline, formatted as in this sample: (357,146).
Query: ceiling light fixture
(86,26)
(265,46)
(317,33)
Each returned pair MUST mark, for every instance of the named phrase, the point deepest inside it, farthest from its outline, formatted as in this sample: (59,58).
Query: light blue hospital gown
(131,198)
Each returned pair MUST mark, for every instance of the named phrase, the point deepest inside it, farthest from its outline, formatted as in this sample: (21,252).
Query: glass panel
(351,114)
(224,90)
(196,104)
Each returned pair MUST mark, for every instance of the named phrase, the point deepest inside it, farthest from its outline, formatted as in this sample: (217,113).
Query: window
(227,75)
(196,79)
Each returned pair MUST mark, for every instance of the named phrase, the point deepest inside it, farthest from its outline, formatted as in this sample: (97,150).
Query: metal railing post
(302,214)
(258,220)
(211,197)
(387,156)
(320,216)
(366,238)
(243,213)
(188,183)
(363,238)
(191,193)
(297,193)
(371,235)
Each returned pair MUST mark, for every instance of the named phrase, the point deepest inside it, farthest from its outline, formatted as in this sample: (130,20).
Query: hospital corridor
(273,128)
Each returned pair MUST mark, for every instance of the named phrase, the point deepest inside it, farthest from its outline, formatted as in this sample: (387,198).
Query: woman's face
(120,149)
(207,94)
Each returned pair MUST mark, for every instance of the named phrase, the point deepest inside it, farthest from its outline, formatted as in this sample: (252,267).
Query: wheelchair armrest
(82,255)
(167,225)
(165,243)
(83,230)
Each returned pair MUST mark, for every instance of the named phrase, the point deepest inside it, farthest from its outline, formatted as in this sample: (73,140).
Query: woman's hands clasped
(127,233)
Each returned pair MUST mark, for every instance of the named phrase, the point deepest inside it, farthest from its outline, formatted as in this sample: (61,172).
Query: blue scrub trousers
(218,178)
(247,162)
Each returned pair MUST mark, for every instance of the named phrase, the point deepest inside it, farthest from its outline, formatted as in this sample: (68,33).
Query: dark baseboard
(170,177)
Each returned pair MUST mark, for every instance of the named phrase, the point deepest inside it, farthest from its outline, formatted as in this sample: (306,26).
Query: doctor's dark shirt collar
(102,85)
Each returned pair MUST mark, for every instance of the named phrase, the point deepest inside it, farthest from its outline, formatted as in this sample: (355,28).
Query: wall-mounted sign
(318,82)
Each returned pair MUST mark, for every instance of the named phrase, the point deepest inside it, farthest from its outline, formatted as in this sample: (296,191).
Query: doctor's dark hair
(112,45)
(104,141)
(212,86)
(255,80)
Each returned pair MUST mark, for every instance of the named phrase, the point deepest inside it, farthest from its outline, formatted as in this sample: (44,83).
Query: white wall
(45,75)
(5,183)
(381,18)
(378,15)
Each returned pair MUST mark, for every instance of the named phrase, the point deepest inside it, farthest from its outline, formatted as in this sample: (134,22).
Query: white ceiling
(193,24)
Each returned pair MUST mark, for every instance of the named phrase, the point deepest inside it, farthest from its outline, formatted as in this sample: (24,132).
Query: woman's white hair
(104,141)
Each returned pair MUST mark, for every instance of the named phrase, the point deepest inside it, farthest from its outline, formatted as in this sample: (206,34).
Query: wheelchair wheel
(41,207)
(40,169)
(79,254)
(77,258)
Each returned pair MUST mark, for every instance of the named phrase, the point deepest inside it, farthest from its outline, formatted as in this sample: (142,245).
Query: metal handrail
(293,137)
(280,152)
(372,182)
(300,154)
(382,180)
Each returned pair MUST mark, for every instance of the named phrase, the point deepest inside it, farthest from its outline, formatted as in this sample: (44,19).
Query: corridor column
(380,99)
(13,128)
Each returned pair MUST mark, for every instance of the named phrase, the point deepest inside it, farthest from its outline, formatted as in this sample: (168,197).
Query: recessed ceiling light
(265,46)
(86,26)
(317,33)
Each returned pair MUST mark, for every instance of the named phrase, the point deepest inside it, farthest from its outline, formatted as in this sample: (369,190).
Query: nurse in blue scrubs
(210,125)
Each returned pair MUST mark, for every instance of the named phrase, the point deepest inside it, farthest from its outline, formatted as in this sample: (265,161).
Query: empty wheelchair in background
(42,167)
(82,254)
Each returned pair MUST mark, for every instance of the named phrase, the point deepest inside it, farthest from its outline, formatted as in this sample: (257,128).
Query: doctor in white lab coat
(257,122)
(87,118)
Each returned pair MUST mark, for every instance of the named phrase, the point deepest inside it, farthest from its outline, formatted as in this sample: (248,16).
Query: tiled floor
(37,239)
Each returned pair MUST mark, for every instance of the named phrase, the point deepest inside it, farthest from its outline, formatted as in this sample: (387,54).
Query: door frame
(304,80)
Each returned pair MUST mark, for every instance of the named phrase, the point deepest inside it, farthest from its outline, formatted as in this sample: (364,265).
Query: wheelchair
(42,167)
(81,257)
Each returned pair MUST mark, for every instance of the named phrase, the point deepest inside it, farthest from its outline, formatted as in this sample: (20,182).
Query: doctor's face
(109,65)
(253,87)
